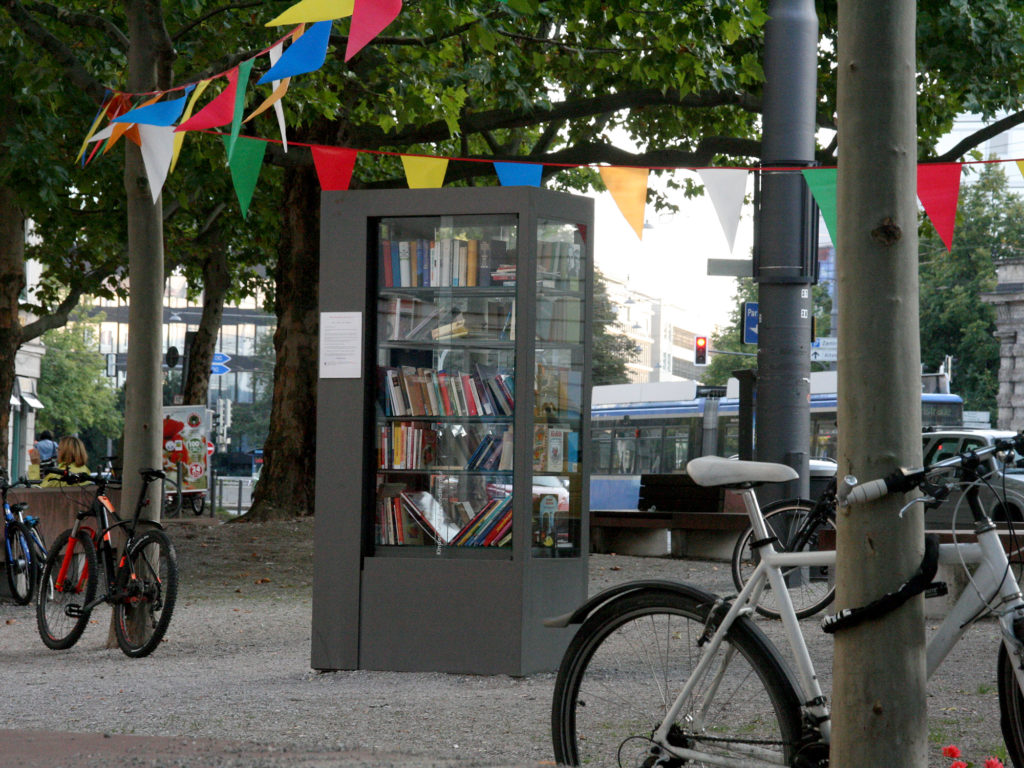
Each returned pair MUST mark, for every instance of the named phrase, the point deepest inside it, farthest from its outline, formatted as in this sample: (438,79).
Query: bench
(56,507)
(693,517)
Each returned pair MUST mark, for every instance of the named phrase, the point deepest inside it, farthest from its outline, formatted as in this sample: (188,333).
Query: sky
(670,262)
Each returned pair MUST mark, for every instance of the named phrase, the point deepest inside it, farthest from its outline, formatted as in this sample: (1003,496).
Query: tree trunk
(144,393)
(12,283)
(879,697)
(285,487)
(216,281)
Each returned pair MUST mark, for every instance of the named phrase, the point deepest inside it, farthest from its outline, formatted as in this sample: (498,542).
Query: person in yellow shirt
(72,456)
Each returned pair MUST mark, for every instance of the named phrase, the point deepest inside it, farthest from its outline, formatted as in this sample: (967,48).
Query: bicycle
(664,674)
(24,549)
(798,525)
(141,583)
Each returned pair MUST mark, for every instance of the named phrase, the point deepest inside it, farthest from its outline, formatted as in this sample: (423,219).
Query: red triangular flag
(369,18)
(334,166)
(938,188)
(218,112)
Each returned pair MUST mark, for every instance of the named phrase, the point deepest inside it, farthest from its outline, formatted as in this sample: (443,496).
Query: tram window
(824,438)
(648,454)
(676,449)
(728,436)
(602,444)
(624,452)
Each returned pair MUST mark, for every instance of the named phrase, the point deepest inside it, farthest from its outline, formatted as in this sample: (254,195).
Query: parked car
(1005,475)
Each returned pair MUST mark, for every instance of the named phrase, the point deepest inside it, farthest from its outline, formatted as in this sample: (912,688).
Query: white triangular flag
(275,54)
(157,150)
(726,187)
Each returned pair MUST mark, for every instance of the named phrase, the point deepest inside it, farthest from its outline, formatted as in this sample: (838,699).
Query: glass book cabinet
(453,401)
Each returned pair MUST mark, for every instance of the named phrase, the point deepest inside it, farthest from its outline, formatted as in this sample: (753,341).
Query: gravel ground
(231,684)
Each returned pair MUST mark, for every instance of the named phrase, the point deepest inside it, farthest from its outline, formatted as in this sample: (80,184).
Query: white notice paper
(341,345)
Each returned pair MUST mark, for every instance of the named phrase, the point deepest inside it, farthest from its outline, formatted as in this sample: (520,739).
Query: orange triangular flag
(424,172)
(938,188)
(628,187)
(130,130)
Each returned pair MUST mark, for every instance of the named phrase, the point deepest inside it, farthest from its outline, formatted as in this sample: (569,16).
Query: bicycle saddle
(714,470)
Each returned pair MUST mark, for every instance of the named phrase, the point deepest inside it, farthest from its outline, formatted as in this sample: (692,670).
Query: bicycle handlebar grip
(865,492)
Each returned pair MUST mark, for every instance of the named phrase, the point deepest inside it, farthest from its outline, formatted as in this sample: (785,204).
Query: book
(540,446)
(555,458)
(414,264)
(385,264)
(463,262)
(546,396)
(506,451)
(430,513)
(455,329)
(472,262)
(396,265)
(404,263)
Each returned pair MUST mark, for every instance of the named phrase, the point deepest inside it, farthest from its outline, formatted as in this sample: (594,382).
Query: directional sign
(750,322)
(825,349)
(218,370)
(220,358)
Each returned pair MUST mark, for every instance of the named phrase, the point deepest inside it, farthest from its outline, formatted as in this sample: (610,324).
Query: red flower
(958,764)
(992,762)
(951,751)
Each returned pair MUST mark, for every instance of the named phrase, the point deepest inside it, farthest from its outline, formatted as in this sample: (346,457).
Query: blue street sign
(750,318)
(217,369)
(220,357)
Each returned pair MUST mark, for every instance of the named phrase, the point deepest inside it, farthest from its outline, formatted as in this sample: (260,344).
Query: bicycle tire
(148,579)
(197,502)
(57,628)
(172,498)
(1011,708)
(609,697)
(810,589)
(20,563)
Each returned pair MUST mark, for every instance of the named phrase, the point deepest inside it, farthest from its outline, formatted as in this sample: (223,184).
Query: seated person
(72,456)
(47,448)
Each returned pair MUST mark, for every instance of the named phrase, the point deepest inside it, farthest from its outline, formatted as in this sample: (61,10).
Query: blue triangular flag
(161,113)
(304,55)
(519,174)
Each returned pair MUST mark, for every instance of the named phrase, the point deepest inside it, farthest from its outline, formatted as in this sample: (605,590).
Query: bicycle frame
(991,584)
(104,510)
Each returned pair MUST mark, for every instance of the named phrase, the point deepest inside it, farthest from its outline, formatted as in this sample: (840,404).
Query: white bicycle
(662,673)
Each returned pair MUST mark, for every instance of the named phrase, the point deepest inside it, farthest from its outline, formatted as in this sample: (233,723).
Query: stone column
(1008,299)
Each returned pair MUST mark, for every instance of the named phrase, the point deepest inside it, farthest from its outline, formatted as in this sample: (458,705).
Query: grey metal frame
(463,611)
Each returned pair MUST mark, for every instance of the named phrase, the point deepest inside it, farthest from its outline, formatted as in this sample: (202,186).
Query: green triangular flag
(245,166)
(822,182)
(236,123)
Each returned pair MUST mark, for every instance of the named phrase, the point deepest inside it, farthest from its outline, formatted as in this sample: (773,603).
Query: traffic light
(700,350)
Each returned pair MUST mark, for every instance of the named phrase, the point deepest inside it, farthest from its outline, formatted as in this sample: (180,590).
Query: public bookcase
(452,414)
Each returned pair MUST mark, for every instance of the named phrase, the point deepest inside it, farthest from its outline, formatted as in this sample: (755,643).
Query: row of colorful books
(411,391)
(421,445)
(446,262)
(418,518)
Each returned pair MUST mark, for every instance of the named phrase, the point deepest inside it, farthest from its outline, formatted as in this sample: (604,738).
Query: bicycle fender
(580,614)
(141,523)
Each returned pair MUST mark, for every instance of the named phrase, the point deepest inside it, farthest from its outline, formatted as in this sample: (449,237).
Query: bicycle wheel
(21,571)
(810,589)
(623,669)
(59,603)
(197,501)
(147,585)
(1011,708)
(172,498)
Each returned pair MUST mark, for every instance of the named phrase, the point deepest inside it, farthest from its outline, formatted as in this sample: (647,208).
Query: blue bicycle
(24,550)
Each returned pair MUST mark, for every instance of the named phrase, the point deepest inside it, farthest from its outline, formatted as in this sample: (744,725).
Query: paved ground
(231,686)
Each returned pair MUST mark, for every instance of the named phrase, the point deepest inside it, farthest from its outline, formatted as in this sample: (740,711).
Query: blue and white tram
(631,439)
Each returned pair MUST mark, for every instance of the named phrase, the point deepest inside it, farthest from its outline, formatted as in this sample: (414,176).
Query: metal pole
(783,266)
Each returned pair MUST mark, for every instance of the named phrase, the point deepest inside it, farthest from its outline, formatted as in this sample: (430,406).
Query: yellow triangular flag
(424,172)
(179,136)
(628,187)
(314,10)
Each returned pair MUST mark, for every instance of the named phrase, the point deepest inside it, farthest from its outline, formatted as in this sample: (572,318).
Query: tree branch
(78,74)
(74,19)
(978,138)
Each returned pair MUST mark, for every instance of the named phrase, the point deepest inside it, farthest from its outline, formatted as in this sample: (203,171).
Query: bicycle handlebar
(903,480)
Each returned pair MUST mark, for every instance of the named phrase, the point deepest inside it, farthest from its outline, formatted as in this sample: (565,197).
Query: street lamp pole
(784,247)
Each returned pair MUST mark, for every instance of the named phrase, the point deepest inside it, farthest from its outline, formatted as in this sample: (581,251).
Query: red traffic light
(700,350)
